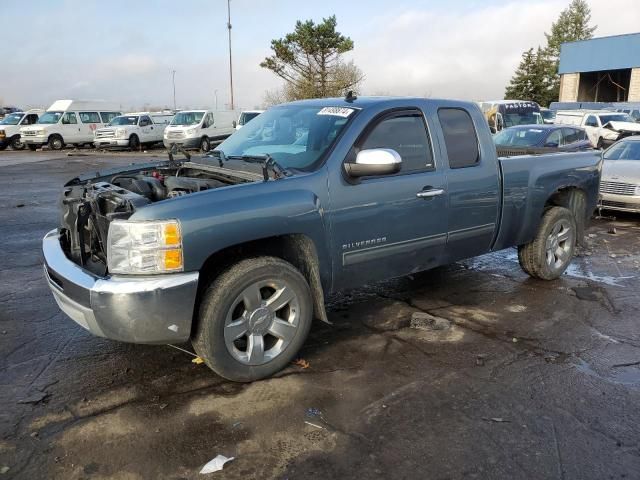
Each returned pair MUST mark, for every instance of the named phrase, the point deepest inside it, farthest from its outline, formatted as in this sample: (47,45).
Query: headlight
(146,247)
(191,131)
(41,132)
(120,132)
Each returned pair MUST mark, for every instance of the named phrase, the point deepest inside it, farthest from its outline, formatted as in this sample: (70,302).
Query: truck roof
(371,101)
(98,105)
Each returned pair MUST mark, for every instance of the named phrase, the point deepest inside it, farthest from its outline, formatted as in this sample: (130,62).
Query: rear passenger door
(146,129)
(90,121)
(592,127)
(473,184)
(385,226)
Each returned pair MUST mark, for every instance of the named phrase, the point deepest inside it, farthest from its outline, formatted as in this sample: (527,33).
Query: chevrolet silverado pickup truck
(236,252)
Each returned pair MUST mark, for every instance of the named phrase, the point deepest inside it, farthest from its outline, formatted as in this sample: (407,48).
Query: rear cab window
(460,137)
(406,133)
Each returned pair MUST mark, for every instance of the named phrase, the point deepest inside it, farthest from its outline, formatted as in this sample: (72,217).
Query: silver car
(620,183)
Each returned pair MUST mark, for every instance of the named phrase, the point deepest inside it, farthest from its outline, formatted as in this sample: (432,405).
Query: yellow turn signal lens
(172,259)
(172,234)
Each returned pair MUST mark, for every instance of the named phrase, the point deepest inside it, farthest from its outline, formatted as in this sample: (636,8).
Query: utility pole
(230,64)
(215,94)
(174,90)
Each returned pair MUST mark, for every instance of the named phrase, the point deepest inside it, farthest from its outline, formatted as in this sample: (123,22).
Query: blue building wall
(606,53)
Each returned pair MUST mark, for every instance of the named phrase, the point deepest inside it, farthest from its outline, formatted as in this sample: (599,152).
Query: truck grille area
(618,188)
(629,206)
(28,133)
(175,135)
(105,134)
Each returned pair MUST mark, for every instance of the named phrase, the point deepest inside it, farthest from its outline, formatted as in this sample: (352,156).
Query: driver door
(391,225)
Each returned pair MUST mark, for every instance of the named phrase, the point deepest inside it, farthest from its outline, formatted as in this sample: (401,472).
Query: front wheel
(134,143)
(551,251)
(16,144)
(205,145)
(253,319)
(56,142)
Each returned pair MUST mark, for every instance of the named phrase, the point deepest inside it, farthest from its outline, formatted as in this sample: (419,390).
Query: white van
(603,127)
(68,122)
(246,116)
(198,128)
(12,123)
(132,130)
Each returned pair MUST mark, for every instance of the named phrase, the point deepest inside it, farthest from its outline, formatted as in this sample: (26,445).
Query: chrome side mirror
(375,161)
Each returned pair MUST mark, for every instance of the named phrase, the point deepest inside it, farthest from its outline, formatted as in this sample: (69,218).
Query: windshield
(12,119)
(296,136)
(548,114)
(515,119)
(50,117)
(616,117)
(124,121)
(625,150)
(246,116)
(187,118)
(521,137)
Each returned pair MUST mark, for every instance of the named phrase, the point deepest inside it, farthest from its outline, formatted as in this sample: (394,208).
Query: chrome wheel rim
(559,244)
(262,322)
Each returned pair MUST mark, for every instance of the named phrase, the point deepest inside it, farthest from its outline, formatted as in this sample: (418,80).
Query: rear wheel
(56,142)
(253,319)
(205,144)
(551,251)
(134,143)
(16,144)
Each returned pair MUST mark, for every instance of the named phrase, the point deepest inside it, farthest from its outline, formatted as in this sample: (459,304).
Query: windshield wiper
(266,161)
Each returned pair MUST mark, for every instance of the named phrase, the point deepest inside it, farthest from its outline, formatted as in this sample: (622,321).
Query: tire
(551,251)
(16,144)
(134,143)
(600,144)
(56,142)
(205,145)
(227,312)
(33,148)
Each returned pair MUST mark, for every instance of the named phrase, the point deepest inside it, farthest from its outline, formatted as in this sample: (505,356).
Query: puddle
(576,271)
(622,376)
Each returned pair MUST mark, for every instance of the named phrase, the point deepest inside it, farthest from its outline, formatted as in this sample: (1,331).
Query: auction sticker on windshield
(336,111)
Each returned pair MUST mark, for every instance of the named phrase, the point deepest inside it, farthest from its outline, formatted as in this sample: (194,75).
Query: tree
(310,61)
(537,75)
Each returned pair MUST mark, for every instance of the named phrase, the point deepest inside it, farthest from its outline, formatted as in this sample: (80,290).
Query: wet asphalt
(517,379)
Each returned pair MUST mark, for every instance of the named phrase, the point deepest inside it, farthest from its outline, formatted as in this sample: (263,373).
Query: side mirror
(234,123)
(376,161)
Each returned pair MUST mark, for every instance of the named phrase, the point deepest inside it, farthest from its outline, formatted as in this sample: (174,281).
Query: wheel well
(297,249)
(575,200)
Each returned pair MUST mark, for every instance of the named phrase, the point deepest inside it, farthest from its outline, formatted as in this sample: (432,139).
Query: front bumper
(184,143)
(622,203)
(153,309)
(34,139)
(111,142)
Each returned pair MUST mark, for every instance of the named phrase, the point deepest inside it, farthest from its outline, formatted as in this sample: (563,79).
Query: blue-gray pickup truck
(236,251)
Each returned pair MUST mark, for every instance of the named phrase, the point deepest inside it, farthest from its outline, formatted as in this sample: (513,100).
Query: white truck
(603,127)
(132,130)
(199,128)
(68,122)
(11,124)
(246,116)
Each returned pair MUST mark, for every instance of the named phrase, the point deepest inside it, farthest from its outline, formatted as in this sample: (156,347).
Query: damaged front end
(89,205)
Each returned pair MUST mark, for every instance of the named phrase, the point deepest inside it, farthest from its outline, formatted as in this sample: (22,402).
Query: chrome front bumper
(152,309)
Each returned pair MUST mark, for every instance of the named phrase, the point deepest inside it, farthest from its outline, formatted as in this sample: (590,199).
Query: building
(603,69)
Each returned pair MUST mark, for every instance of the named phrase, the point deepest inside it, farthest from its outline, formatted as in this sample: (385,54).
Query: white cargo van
(246,116)
(132,130)
(603,127)
(68,122)
(11,124)
(198,128)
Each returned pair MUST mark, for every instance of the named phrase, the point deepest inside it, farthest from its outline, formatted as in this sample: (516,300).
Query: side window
(208,121)
(89,117)
(406,133)
(554,139)
(591,121)
(460,137)
(108,116)
(69,118)
(570,135)
(145,121)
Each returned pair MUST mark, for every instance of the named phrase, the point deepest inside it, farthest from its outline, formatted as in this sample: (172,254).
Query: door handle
(433,192)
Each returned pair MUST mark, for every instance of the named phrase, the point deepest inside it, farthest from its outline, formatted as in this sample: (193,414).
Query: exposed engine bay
(89,206)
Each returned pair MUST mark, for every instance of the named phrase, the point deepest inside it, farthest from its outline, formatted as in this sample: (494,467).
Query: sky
(125,51)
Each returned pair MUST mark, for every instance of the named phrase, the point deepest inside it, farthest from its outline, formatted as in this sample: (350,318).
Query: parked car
(133,130)
(4,111)
(237,254)
(68,122)
(541,139)
(603,127)
(620,185)
(510,113)
(548,116)
(10,127)
(198,128)
(246,116)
